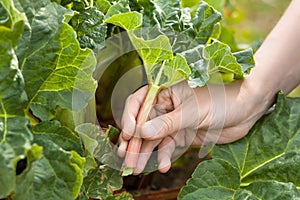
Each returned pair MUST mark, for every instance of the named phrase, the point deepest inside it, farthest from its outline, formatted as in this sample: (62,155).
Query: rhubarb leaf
(219,58)
(103,176)
(215,58)
(40,162)
(90,27)
(12,95)
(122,6)
(56,71)
(15,144)
(61,136)
(15,136)
(56,175)
(127,21)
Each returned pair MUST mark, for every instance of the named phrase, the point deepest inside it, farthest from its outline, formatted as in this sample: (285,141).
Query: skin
(219,114)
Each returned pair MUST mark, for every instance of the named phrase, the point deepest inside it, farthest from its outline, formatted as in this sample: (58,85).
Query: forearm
(278,58)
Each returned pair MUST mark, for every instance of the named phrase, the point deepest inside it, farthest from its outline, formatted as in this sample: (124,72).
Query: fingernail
(148,130)
(164,165)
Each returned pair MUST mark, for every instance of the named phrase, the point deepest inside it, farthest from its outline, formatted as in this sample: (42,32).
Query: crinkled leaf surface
(183,30)
(56,71)
(216,57)
(102,177)
(127,21)
(119,7)
(15,136)
(56,175)
(97,144)
(90,27)
(263,165)
(245,59)
(61,136)
(15,144)
(42,66)
(219,58)
(12,94)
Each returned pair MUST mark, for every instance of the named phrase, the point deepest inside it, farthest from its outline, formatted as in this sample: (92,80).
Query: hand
(183,116)
(181,111)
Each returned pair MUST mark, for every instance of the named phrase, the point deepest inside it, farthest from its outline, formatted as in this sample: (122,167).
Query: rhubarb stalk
(136,141)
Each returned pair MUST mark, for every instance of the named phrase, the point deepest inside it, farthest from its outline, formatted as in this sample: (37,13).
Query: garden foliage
(48,56)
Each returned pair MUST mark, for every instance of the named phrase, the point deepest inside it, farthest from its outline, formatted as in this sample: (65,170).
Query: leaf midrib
(261,165)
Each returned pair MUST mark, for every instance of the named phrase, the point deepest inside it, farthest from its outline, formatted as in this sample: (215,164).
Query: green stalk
(32,119)
(136,141)
(86,3)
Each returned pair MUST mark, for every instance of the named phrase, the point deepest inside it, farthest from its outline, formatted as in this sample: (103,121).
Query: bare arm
(278,59)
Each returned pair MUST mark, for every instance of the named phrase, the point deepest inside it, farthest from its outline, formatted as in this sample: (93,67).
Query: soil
(166,186)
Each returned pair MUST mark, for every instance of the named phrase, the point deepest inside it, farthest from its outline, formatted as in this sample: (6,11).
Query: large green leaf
(28,174)
(127,21)
(60,135)
(15,136)
(103,176)
(162,68)
(56,71)
(122,6)
(11,23)
(263,165)
(15,145)
(12,95)
(56,175)
(219,58)
(38,46)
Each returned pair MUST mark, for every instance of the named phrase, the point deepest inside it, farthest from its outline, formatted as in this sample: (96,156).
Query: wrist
(262,93)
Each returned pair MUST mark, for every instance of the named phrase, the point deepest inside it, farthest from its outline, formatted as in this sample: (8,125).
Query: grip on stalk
(135,143)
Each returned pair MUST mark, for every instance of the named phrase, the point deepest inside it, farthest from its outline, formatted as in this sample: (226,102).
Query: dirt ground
(163,186)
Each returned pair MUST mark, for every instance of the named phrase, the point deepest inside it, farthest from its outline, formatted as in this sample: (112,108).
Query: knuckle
(129,99)
(167,123)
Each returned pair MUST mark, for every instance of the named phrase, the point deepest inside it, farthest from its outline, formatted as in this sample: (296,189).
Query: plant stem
(158,77)
(136,141)
(32,119)
(86,3)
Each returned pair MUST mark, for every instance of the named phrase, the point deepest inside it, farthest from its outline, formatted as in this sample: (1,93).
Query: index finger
(131,110)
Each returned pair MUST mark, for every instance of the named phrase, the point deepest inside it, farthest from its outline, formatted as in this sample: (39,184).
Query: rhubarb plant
(50,53)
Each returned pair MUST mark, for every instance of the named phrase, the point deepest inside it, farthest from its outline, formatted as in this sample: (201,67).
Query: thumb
(164,125)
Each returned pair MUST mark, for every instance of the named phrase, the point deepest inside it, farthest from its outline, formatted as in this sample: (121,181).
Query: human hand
(184,116)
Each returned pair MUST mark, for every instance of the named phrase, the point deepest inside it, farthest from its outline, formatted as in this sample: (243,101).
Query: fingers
(122,146)
(164,156)
(166,148)
(161,126)
(165,153)
(132,106)
(184,116)
(145,153)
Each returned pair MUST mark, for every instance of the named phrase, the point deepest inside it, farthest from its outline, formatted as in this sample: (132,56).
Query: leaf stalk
(136,141)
